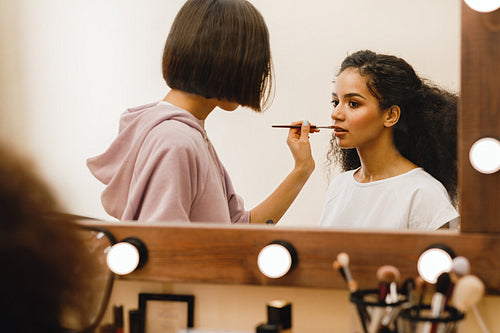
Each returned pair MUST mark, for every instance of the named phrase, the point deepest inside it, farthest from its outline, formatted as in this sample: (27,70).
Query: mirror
(98,283)
(72,68)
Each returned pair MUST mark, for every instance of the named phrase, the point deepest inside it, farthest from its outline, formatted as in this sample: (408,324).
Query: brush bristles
(443,283)
(388,274)
(343,259)
(460,266)
(467,292)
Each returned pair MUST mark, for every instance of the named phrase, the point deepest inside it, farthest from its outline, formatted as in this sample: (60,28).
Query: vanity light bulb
(123,258)
(484,155)
(483,6)
(274,261)
(432,263)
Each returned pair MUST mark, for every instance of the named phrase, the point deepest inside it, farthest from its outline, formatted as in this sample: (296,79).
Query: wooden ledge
(228,254)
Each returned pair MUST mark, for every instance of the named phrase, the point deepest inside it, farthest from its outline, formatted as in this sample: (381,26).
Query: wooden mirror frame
(228,254)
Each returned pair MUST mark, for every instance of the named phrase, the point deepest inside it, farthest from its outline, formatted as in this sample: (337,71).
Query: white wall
(242,308)
(70,67)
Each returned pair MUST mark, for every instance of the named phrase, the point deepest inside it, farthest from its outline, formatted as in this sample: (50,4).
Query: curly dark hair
(426,132)
(42,256)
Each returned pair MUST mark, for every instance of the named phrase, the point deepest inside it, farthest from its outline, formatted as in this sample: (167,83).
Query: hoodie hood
(115,167)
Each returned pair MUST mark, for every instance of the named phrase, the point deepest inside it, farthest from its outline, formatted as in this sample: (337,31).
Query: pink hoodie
(162,167)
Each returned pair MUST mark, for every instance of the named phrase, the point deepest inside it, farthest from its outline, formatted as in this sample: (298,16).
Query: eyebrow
(349,95)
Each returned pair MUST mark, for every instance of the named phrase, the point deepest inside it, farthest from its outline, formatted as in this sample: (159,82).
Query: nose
(337,113)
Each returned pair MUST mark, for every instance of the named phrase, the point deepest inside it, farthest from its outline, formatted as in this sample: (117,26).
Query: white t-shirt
(414,200)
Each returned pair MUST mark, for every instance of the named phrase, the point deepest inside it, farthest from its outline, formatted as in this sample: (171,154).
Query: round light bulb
(432,263)
(275,260)
(123,258)
(484,155)
(483,6)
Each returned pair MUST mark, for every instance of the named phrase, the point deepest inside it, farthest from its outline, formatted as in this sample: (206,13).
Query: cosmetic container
(134,320)
(118,318)
(279,312)
(375,315)
(419,319)
(268,328)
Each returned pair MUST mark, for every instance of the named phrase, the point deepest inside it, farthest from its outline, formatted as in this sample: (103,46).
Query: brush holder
(376,316)
(418,319)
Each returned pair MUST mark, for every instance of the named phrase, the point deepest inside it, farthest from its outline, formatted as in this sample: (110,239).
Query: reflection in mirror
(395,140)
(92,64)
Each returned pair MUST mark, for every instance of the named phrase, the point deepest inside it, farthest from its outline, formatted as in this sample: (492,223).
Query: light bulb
(432,263)
(483,6)
(126,256)
(276,259)
(484,155)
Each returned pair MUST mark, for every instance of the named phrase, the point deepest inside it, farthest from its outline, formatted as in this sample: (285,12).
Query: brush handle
(299,126)
(479,319)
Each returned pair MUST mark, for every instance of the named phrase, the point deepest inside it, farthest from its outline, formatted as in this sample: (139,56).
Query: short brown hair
(220,49)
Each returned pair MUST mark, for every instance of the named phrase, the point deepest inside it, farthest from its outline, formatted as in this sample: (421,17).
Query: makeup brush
(299,126)
(408,289)
(338,268)
(460,266)
(412,288)
(343,261)
(469,290)
(387,275)
(353,286)
(420,289)
(438,300)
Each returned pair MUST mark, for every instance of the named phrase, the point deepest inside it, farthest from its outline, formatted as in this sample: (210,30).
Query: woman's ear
(392,115)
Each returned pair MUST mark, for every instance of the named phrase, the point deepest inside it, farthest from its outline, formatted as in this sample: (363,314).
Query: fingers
(301,134)
(299,144)
(305,130)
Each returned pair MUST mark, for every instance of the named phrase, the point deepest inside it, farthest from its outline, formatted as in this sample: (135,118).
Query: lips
(339,130)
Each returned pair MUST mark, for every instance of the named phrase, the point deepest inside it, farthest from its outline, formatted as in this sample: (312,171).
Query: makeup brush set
(414,305)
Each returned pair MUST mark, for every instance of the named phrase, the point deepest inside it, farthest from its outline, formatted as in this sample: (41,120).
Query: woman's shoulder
(172,141)
(422,183)
(420,176)
(173,133)
(340,183)
(343,177)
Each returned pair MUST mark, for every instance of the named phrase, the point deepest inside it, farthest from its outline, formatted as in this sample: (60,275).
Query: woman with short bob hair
(196,59)
(162,166)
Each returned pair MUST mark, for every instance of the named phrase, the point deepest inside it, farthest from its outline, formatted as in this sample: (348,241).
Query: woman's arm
(275,206)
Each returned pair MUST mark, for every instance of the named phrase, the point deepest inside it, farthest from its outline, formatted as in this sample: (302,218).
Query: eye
(353,104)
(335,102)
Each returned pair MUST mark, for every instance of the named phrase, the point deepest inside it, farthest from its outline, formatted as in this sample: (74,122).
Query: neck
(197,105)
(381,162)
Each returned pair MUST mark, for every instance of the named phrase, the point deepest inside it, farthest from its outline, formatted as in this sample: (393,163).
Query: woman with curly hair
(395,141)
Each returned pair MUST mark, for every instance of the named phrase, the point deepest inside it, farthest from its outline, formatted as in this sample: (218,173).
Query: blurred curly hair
(41,254)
